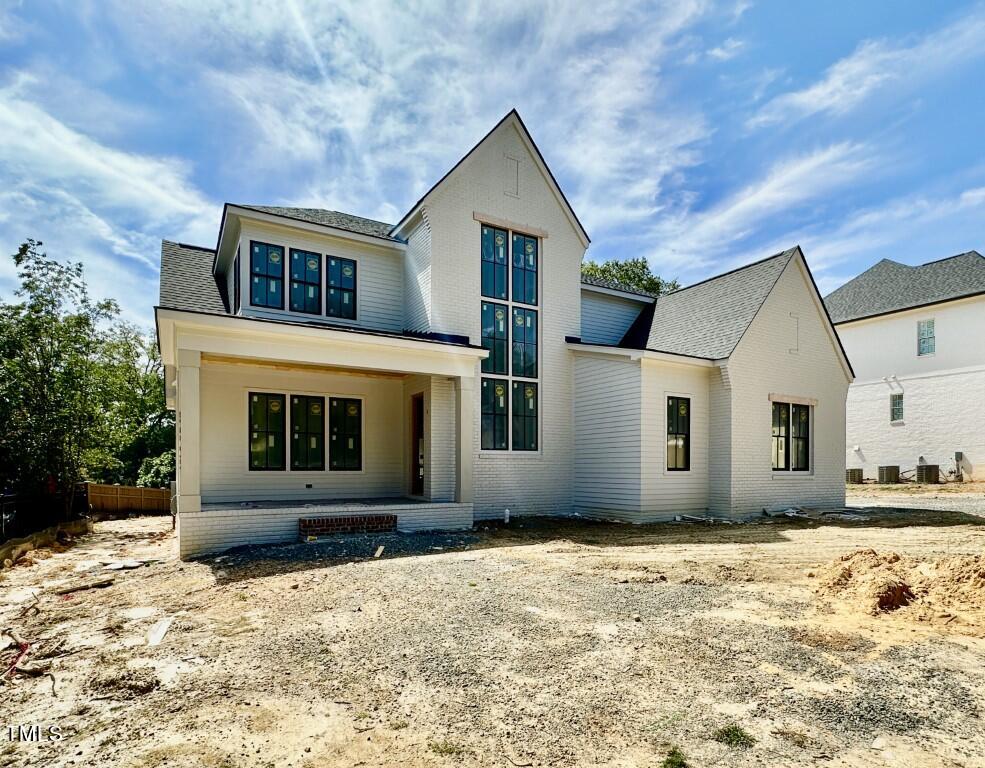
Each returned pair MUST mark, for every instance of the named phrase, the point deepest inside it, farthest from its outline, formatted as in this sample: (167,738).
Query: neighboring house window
(494,414)
(678,433)
(524,269)
(341,301)
(926,343)
(525,342)
(266,275)
(524,416)
(494,337)
(345,421)
(494,262)
(266,431)
(896,406)
(237,277)
(307,432)
(791,437)
(305,282)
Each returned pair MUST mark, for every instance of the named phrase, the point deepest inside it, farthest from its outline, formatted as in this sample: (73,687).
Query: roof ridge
(788,253)
(948,258)
(260,207)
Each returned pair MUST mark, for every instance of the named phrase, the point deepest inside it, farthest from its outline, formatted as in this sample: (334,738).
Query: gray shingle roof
(889,286)
(614,285)
(707,319)
(336,219)
(187,281)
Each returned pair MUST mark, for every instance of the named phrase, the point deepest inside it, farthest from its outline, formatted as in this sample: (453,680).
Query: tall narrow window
(524,269)
(237,278)
(266,431)
(525,342)
(678,434)
(307,432)
(493,263)
(341,299)
(800,438)
(926,343)
(896,406)
(781,436)
(494,337)
(305,282)
(266,275)
(494,414)
(345,421)
(524,416)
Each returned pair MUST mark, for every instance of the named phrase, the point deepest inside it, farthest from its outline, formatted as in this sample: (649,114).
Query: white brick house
(916,336)
(453,365)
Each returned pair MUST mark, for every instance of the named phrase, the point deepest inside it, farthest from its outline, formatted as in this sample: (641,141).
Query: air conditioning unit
(853,476)
(928,473)
(889,474)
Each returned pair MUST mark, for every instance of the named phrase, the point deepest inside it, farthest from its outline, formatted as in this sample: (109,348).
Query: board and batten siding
(379,275)
(606,318)
(666,493)
(608,446)
(788,349)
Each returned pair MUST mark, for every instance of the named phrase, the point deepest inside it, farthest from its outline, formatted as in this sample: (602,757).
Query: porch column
(465,407)
(189,423)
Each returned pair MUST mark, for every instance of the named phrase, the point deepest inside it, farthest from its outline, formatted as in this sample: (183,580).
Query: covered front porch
(342,424)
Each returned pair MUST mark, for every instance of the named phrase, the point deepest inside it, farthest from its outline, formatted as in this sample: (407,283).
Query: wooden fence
(127,498)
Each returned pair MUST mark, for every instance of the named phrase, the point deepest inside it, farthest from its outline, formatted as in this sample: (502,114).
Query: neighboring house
(916,336)
(454,365)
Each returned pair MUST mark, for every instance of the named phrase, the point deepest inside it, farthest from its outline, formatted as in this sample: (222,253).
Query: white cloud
(873,66)
(727,50)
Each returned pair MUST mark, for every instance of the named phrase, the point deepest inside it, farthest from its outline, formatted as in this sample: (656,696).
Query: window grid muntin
(266,275)
(926,340)
(781,436)
(345,424)
(307,432)
(896,406)
(306,278)
(800,438)
(678,434)
(265,414)
(496,337)
(341,278)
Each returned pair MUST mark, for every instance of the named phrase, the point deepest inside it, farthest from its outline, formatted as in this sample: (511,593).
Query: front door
(417,445)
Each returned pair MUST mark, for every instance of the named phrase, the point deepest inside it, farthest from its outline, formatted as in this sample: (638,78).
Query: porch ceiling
(257,362)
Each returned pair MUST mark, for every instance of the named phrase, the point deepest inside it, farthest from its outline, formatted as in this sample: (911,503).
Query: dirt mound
(125,683)
(876,582)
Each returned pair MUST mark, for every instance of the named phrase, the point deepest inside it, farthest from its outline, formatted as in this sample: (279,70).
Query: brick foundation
(324,526)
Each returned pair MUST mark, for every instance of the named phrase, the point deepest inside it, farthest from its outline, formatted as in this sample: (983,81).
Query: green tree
(634,273)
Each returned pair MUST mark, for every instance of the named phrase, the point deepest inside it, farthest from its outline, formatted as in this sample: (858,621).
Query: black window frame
(337,404)
(800,437)
(524,269)
(307,403)
(341,288)
(256,429)
(497,270)
(781,432)
(265,273)
(524,423)
(527,349)
(490,413)
(895,407)
(308,281)
(678,428)
(498,343)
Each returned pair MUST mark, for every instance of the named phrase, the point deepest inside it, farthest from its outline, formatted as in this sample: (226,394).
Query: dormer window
(340,300)
(305,282)
(266,275)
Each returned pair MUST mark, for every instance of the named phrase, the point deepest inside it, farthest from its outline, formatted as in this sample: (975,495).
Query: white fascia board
(639,354)
(621,294)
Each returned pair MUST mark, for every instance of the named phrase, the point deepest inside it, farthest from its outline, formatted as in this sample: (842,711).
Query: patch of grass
(398,725)
(242,596)
(675,759)
(734,736)
(361,715)
(446,748)
(797,738)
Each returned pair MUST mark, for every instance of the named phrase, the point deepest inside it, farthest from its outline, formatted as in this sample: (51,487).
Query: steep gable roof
(615,285)
(337,219)
(889,286)
(514,117)
(707,319)
(187,281)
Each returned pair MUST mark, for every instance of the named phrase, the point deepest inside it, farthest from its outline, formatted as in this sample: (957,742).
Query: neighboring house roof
(707,319)
(615,285)
(889,286)
(187,281)
(325,217)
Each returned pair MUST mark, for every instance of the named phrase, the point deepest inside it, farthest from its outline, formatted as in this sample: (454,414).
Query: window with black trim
(493,414)
(266,275)
(525,342)
(896,406)
(678,434)
(305,282)
(524,416)
(781,436)
(524,269)
(494,337)
(266,414)
(800,438)
(237,277)
(345,423)
(494,246)
(307,432)
(341,298)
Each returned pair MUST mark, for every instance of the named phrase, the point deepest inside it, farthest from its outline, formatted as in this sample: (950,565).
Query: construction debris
(379,551)
(98,584)
(158,631)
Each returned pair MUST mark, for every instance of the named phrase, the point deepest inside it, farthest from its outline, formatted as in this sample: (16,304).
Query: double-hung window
(305,282)
(896,406)
(266,275)
(678,434)
(510,290)
(341,298)
(307,432)
(926,343)
(266,431)
(345,421)
(791,437)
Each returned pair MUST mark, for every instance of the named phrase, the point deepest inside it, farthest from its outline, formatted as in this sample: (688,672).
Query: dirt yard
(559,643)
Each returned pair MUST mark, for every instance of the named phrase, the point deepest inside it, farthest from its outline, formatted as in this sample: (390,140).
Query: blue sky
(701,135)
